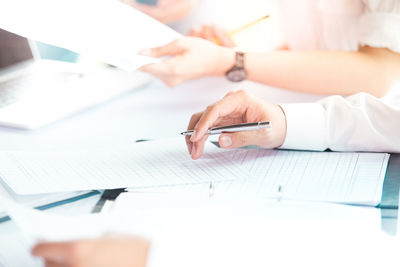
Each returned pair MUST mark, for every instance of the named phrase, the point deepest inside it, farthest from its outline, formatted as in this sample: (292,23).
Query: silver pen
(235,128)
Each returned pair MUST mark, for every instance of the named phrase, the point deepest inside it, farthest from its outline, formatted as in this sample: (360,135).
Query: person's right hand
(214,34)
(190,58)
(237,107)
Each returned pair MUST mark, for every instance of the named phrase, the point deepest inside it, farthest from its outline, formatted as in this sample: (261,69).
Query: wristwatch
(237,73)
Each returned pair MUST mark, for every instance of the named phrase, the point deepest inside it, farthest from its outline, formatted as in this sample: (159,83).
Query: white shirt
(340,24)
(356,123)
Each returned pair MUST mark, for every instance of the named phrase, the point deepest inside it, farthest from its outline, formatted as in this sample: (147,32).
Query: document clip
(280,193)
(107,196)
(211,189)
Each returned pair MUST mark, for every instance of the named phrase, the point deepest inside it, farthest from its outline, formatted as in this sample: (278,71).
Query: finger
(157,69)
(240,139)
(236,102)
(169,71)
(223,37)
(188,144)
(195,31)
(198,147)
(193,121)
(209,34)
(230,93)
(52,252)
(172,48)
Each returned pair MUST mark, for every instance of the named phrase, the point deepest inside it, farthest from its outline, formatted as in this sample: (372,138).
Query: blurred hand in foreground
(116,252)
(189,58)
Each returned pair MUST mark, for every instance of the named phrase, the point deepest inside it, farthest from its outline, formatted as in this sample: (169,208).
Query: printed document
(355,178)
(106,30)
(154,163)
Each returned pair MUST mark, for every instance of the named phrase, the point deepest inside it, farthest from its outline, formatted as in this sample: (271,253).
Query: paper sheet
(41,225)
(15,251)
(103,29)
(243,232)
(154,163)
(355,178)
(228,231)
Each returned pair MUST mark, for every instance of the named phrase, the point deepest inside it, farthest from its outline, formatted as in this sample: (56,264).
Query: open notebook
(355,178)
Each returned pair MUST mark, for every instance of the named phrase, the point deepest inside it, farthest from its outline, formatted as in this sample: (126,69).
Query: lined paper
(355,178)
(147,164)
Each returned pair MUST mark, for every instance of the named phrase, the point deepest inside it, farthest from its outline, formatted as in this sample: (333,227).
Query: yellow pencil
(248,25)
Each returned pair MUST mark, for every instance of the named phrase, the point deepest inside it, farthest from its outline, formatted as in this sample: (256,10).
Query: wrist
(225,61)
(283,126)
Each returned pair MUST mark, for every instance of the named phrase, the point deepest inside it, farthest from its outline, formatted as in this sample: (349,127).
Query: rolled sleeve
(306,126)
(380,25)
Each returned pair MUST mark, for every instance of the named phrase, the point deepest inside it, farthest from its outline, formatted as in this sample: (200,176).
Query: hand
(214,34)
(116,252)
(237,107)
(191,58)
(165,11)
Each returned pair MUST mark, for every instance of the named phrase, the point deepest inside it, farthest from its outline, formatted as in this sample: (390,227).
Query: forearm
(326,72)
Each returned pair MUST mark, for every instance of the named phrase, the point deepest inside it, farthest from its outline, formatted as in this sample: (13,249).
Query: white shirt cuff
(306,126)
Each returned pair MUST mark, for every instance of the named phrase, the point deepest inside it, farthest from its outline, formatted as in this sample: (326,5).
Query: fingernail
(226,141)
(189,146)
(145,52)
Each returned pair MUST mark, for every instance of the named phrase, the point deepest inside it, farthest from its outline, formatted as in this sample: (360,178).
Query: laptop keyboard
(13,90)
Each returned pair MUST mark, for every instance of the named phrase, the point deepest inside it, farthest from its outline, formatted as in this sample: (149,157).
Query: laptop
(35,92)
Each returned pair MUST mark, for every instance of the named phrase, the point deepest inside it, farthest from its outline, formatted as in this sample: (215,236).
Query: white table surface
(154,111)
(151,112)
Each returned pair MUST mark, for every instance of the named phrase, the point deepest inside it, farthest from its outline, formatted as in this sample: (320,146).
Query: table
(151,112)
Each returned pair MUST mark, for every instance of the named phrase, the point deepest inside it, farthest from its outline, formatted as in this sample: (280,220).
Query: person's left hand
(116,252)
(191,58)
(166,11)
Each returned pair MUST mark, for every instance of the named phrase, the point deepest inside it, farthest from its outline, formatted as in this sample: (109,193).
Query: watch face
(236,75)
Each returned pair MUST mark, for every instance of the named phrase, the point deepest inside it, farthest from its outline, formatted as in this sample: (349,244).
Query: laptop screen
(13,49)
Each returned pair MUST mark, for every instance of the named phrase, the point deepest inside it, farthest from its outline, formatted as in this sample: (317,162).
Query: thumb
(167,50)
(240,139)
